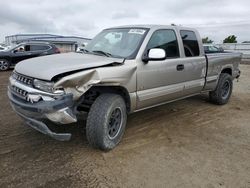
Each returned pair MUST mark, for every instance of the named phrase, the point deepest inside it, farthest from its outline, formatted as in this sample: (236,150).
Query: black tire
(223,91)
(103,115)
(4,65)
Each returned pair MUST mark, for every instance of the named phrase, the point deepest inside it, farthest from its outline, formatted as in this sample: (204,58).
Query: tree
(206,41)
(230,39)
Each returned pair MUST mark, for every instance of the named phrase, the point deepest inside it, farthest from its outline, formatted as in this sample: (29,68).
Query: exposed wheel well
(90,96)
(227,70)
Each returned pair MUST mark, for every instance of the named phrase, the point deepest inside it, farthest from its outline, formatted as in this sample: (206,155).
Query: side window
(165,39)
(190,43)
(45,47)
(39,47)
(27,48)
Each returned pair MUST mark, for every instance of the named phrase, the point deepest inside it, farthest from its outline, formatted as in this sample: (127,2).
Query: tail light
(57,50)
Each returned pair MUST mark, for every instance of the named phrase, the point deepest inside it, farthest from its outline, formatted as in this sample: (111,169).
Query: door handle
(180,67)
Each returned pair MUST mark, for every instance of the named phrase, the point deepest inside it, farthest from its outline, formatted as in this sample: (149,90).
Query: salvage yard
(189,143)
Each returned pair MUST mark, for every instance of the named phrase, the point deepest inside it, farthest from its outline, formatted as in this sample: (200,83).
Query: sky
(215,19)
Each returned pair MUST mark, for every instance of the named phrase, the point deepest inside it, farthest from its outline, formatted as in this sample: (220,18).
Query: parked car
(210,48)
(122,70)
(3,48)
(12,56)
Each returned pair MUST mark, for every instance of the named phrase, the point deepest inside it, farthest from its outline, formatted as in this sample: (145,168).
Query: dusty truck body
(121,71)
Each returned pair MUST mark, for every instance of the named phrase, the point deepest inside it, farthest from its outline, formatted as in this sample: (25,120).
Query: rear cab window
(165,39)
(190,43)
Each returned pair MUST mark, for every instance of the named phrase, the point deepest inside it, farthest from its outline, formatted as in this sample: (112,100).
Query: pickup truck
(122,70)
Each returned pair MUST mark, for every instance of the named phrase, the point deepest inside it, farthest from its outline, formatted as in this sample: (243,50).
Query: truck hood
(46,67)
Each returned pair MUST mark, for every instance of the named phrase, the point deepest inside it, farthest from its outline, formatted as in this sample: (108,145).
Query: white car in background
(2,48)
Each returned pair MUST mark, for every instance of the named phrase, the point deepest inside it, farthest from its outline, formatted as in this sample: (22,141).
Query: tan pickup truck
(122,70)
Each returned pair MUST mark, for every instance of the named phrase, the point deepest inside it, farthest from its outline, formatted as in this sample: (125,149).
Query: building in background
(64,43)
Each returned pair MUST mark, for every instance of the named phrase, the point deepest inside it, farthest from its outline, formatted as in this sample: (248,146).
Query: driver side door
(20,55)
(162,80)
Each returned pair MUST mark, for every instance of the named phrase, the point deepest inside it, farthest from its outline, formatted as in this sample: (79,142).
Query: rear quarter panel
(217,63)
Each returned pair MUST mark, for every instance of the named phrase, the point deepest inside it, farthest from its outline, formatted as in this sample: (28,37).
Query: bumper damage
(58,111)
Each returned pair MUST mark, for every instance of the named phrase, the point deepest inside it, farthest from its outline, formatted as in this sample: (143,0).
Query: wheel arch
(8,58)
(90,96)
(227,70)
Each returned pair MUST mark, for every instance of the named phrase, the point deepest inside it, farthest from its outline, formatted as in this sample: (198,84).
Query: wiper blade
(103,53)
(83,51)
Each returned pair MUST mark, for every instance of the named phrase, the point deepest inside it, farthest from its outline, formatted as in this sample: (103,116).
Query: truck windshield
(122,42)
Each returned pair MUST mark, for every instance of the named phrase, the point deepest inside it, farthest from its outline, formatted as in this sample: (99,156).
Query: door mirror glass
(156,54)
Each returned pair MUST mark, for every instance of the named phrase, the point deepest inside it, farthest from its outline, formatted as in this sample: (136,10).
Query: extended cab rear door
(193,60)
(20,53)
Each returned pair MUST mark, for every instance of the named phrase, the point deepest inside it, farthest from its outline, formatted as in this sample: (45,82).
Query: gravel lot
(189,143)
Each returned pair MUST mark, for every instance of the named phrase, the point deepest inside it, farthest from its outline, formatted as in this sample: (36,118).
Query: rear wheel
(4,65)
(222,93)
(106,121)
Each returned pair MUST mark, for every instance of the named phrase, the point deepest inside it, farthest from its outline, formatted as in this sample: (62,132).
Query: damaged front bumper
(60,111)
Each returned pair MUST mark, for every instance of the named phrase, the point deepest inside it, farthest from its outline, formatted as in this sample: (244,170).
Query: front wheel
(223,91)
(106,121)
(4,65)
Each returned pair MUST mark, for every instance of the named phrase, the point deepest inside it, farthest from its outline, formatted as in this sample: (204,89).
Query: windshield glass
(122,42)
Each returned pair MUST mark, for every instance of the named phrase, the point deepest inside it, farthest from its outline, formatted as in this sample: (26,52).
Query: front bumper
(58,111)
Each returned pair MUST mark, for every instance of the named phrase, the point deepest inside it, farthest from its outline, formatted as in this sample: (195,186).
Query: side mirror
(155,54)
(15,51)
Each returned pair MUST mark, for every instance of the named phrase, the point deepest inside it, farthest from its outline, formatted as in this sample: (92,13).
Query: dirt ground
(189,143)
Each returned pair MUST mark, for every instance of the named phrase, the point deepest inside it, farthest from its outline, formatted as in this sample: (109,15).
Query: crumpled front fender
(120,75)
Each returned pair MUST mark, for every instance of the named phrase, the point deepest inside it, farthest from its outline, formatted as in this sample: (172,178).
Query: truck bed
(221,61)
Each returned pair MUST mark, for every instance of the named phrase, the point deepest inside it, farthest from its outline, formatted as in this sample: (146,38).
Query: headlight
(44,86)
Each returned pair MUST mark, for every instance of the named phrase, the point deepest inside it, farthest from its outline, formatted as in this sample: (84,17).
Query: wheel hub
(225,89)
(115,122)
(3,65)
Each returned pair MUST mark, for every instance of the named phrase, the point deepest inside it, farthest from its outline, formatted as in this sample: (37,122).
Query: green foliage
(206,41)
(230,39)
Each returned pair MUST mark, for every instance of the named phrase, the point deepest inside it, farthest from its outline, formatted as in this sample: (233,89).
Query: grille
(20,92)
(23,79)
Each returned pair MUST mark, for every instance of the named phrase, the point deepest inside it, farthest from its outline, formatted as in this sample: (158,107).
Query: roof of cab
(152,26)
